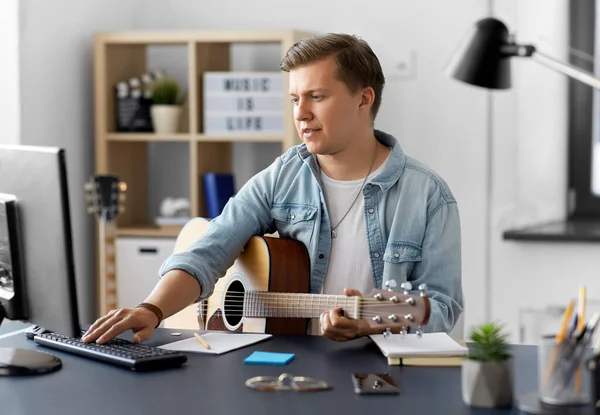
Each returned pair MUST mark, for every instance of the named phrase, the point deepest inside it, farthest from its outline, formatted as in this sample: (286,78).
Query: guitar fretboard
(293,305)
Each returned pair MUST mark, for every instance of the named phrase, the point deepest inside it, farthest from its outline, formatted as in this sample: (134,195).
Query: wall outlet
(401,65)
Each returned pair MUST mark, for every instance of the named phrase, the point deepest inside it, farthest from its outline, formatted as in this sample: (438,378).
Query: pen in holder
(560,368)
(593,365)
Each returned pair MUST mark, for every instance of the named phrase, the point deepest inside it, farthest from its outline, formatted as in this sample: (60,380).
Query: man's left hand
(336,326)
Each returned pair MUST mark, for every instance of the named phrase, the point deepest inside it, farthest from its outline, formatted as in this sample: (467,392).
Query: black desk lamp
(484,58)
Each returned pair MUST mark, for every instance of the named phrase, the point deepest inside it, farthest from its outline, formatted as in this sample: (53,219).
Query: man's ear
(367,97)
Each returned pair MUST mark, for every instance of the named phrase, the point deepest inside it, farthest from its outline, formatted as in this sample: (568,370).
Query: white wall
(530,172)
(9,72)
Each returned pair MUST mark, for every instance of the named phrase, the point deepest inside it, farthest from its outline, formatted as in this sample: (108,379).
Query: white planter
(165,118)
(488,385)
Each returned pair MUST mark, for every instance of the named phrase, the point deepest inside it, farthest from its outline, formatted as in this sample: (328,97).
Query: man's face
(326,113)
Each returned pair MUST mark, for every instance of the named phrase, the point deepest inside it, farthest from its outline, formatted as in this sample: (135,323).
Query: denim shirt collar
(389,175)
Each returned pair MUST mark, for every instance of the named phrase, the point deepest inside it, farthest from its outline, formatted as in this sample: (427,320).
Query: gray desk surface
(213,384)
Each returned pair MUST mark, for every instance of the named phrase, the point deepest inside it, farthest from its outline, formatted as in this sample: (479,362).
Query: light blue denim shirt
(411,216)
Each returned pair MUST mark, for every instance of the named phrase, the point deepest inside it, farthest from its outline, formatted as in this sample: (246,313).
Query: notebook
(220,342)
(411,345)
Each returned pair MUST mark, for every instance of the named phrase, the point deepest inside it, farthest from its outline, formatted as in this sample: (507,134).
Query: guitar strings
(401,319)
(296,303)
(317,297)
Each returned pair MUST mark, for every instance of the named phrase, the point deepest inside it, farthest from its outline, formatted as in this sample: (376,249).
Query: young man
(366,212)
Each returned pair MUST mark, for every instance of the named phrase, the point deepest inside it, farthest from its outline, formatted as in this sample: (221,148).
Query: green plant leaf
(166,91)
(489,343)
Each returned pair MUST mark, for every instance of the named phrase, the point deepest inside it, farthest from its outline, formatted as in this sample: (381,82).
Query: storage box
(138,261)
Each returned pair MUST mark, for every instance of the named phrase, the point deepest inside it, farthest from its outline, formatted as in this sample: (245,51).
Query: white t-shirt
(349,264)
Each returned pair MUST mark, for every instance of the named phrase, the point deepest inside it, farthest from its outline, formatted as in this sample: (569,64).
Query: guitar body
(266,264)
(266,291)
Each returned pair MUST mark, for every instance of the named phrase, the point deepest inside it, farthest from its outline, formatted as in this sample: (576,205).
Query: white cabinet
(137,262)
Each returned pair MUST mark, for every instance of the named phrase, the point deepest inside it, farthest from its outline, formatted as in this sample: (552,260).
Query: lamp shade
(480,60)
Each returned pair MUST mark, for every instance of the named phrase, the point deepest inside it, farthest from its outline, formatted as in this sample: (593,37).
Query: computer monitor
(37,272)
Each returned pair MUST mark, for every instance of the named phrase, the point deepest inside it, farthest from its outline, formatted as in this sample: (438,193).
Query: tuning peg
(378,296)
(393,317)
(394,299)
(406,286)
(410,301)
(409,317)
(419,331)
(423,289)
(377,319)
(403,331)
(386,333)
(390,285)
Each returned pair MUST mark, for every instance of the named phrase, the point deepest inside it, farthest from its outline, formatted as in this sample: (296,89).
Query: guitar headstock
(394,310)
(105,197)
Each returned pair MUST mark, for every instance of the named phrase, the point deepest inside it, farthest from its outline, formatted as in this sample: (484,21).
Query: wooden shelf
(150,231)
(148,137)
(184,37)
(184,137)
(239,138)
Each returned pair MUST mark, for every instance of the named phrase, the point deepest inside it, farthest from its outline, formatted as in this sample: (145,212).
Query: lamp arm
(567,69)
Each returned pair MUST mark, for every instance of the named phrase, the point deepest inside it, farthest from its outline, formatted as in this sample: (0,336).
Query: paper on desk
(220,342)
(431,344)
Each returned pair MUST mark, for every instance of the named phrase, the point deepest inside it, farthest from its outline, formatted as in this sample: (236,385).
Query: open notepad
(220,342)
(409,346)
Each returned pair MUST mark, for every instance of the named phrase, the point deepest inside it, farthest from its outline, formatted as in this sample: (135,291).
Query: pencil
(581,327)
(559,339)
(202,341)
(581,310)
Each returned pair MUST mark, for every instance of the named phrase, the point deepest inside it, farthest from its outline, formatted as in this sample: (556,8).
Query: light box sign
(243,102)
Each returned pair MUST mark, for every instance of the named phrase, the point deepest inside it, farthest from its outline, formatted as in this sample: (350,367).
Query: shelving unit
(121,55)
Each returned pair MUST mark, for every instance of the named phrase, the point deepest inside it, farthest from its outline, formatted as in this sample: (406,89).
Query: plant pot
(165,118)
(488,385)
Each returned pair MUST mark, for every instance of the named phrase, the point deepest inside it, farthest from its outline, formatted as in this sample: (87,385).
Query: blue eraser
(268,358)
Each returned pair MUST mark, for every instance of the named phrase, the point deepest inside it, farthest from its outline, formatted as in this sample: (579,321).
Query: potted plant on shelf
(487,372)
(166,105)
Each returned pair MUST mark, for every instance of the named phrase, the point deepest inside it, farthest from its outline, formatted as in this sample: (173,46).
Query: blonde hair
(358,66)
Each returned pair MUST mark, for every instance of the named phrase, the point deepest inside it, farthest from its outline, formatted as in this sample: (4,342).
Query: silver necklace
(333,232)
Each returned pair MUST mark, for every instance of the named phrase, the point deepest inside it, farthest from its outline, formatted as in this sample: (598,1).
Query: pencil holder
(593,365)
(561,375)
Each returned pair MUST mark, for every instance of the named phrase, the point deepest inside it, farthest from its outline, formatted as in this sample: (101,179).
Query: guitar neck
(294,305)
(107,284)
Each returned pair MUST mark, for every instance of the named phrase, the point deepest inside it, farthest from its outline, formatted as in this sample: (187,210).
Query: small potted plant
(487,373)
(166,105)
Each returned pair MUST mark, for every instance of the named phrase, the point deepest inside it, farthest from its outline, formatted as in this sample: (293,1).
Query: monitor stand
(25,362)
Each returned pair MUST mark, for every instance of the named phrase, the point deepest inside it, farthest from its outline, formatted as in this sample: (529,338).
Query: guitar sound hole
(234,303)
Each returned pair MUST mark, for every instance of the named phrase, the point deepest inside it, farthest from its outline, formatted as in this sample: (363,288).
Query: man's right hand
(140,320)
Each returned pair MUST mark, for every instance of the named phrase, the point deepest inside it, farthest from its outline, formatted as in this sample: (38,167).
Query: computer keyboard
(138,357)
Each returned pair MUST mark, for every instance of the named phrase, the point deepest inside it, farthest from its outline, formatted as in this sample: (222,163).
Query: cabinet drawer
(137,264)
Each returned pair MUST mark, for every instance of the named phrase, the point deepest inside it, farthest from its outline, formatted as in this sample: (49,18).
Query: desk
(210,384)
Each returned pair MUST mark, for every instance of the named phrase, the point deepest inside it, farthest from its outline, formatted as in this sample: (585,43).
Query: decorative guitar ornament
(105,197)
(266,290)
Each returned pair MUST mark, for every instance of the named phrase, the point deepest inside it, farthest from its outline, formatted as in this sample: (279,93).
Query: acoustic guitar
(105,197)
(266,290)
